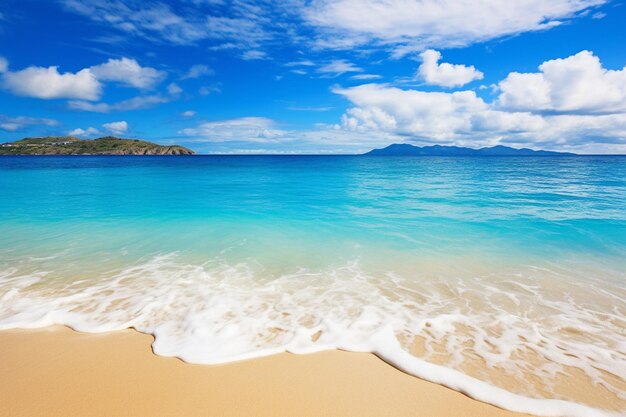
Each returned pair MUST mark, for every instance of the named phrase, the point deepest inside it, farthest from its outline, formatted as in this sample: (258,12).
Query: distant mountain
(403,149)
(70,145)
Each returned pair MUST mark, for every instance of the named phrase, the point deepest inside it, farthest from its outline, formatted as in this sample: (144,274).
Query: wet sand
(59,372)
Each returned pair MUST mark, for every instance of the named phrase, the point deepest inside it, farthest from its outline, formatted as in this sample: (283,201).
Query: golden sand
(59,372)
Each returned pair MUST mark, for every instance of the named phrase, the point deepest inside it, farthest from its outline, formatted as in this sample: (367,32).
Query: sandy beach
(59,372)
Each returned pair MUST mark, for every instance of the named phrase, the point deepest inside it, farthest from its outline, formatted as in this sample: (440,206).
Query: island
(404,149)
(70,145)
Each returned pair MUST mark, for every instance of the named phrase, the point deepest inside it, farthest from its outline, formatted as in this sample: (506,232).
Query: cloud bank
(572,103)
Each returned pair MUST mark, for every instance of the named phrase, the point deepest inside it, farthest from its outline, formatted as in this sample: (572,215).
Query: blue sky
(317,76)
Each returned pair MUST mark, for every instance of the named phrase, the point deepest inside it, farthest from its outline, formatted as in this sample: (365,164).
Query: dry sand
(59,372)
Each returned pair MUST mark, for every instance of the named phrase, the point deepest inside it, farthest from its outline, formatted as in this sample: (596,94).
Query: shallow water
(510,271)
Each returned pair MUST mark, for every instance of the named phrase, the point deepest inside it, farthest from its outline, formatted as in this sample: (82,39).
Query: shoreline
(57,371)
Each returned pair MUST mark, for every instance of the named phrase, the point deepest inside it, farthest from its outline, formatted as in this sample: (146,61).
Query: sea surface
(501,277)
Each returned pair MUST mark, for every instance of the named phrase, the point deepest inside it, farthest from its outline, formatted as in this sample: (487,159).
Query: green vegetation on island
(70,145)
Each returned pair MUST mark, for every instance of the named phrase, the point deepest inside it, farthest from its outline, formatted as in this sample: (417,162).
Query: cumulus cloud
(555,108)
(463,118)
(381,113)
(188,113)
(128,72)
(90,131)
(445,74)
(4,65)
(244,129)
(49,83)
(578,84)
(410,112)
(117,128)
(134,103)
(86,84)
(408,25)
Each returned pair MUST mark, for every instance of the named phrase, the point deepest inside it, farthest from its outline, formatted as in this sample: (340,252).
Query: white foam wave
(218,312)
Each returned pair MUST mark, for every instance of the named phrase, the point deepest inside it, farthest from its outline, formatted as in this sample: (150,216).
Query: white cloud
(117,128)
(244,129)
(4,65)
(366,77)
(338,67)
(135,103)
(90,131)
(128,72)
(86,84)
(554,109)
(197,71)
(402,26)
(445,74)
(9,127)
(48,83)
(241,25)
(12,124)
(174,89)
(140,19)
(188,113)
(410,112)
(408,25)
(577,84)
(206,90)
(245,31)
(260,135)
(301,63)
(254,55)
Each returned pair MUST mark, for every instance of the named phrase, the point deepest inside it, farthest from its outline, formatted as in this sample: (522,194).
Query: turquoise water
(473,263)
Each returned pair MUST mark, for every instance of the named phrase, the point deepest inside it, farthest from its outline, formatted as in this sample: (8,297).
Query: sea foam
(486,335)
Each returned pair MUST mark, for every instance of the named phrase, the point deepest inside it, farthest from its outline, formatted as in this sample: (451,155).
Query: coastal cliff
(70,145)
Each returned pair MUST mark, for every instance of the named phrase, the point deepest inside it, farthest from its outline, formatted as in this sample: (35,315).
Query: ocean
(500,277)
